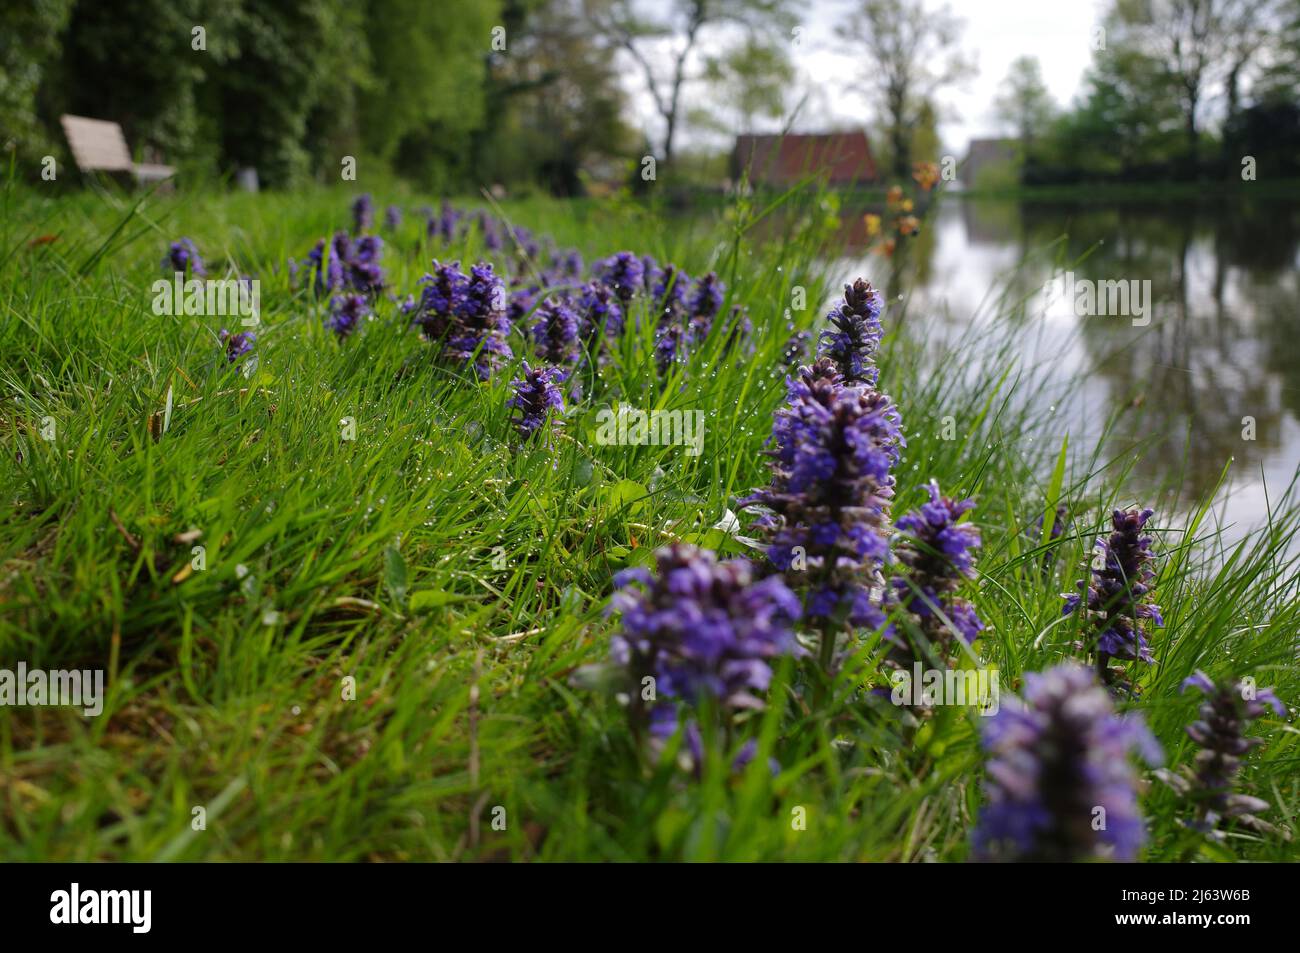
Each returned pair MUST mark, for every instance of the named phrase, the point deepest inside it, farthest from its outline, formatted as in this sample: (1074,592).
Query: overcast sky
(1058,32)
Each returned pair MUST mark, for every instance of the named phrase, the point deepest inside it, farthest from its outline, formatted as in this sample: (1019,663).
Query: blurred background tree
(1196,46)
(1170,77)
(1126,126)
(29,43)
(1024,103)
(456,95)
(429,94)
(751,81)
(555,106)
(290,87)
(663,41)
(285,102)
(909,54)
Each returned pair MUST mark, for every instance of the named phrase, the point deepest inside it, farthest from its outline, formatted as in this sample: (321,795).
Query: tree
(912,53)
(1127,125)
(286,103)
(429,63)
(267,84)
(681,26)
(146,49)
(29,41)
(1024,102)
(1267,126)
(1199,43)
(1279,77)
(555,100)
(925,142)
(753,79)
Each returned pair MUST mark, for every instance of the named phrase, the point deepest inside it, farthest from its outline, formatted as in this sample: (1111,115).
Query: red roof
(845,157)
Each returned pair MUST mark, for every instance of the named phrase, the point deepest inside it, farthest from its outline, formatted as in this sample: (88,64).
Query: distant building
(983,154)
(783,160)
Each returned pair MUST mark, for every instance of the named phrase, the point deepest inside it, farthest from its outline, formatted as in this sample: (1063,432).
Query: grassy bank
(460,581)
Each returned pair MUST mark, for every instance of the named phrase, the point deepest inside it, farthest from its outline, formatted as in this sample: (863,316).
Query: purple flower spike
(536,395)
(599,313)
(482,324)
(650,273)
(1059,786)
(467,313)
(670,347)
(856,336)
(831,451)
(705,300)
(701,629)
(327,268)
(392,218)
(490,230)
(623,273)
(566,266)
(1118,593)
(346,312)
(362,262)
(342,264)
(521,302)
(441,299)
(237,344)
(556,332)
(938,553)
(363,213)
(445,224)
(184,258)
(934,526)
(702,307)
(669,292)
(1220,731)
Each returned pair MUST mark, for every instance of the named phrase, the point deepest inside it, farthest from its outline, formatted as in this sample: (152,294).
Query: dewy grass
(345,613)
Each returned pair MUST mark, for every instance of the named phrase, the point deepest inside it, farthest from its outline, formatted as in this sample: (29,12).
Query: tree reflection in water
(1223,343)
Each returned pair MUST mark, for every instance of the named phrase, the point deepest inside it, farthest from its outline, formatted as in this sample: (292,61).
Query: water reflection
(1222,347)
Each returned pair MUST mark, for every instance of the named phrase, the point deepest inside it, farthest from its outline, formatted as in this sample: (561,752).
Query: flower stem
(826,658)
(1103,669)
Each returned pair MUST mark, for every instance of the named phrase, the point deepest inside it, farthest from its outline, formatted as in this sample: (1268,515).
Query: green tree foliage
(925,145)
(429,63)
(1198,44)
(910,53)
(663,39)
(752,80)
(1171,77)
(286,98)
(1279,78)
(1267,129)
(29,40)
(135,63)
(214,85)
(1127,125)
(453,93)
(1024,103)
(554,101)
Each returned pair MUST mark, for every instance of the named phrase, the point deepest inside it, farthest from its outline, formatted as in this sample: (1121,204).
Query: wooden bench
(99,146)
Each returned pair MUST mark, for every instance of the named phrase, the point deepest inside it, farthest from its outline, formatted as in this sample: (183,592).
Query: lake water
(1212,363)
